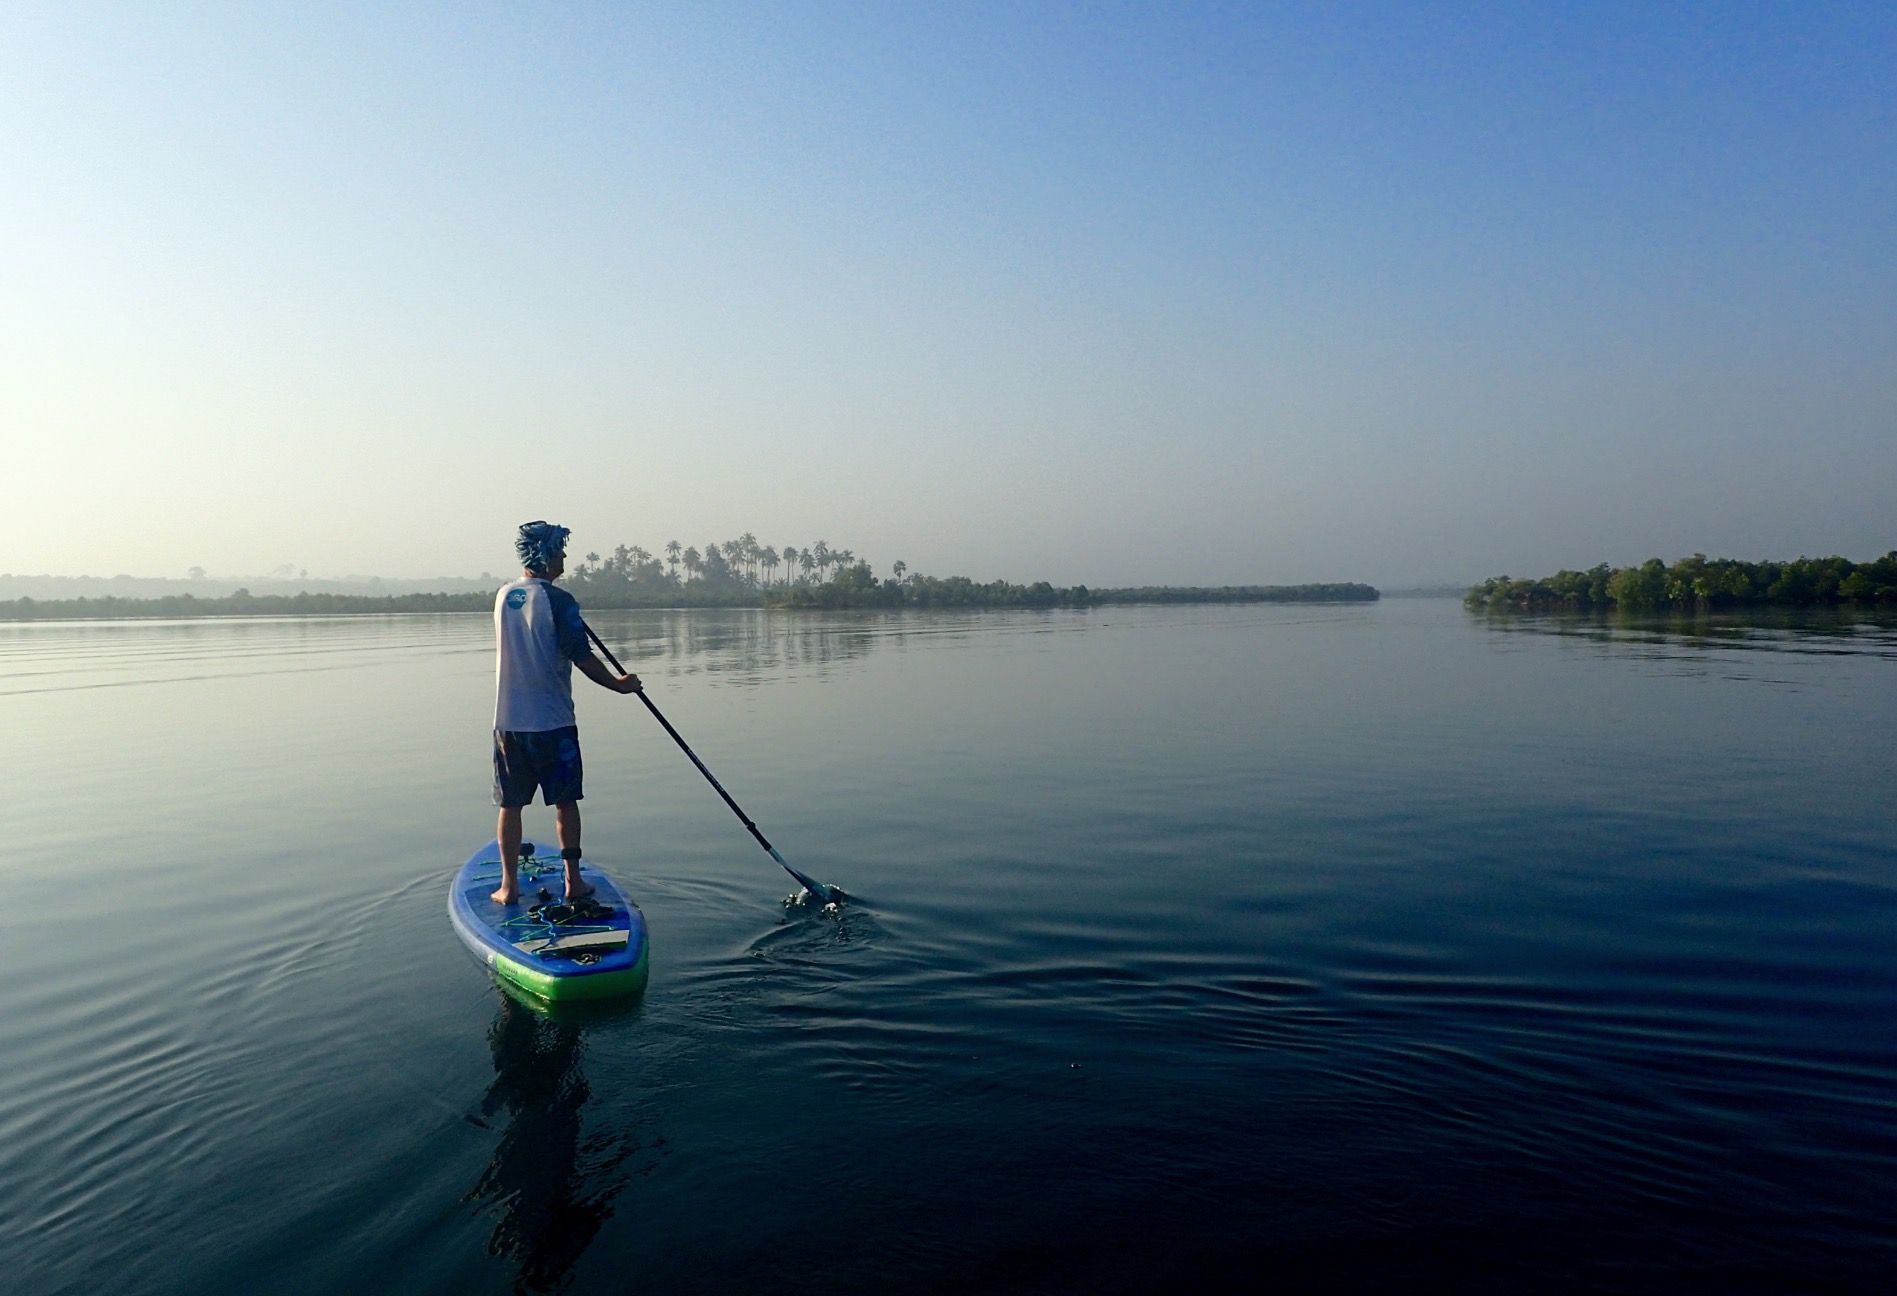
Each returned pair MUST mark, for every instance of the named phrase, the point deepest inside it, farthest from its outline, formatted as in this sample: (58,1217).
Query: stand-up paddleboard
(595,949)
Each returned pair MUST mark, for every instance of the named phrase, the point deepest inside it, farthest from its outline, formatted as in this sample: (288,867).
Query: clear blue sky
(1113,294)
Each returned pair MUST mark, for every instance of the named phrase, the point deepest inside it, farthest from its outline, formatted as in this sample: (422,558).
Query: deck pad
(592,949)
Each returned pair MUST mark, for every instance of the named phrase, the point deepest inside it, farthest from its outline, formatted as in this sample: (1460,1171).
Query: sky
(1194,294)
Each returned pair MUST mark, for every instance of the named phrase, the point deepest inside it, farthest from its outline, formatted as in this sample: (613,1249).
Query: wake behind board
(556,951)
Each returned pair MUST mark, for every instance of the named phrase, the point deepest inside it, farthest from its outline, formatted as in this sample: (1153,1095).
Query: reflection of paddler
(539,638)
(547,1218)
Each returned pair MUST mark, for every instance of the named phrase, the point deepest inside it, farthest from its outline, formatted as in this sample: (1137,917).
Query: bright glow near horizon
(1083,294)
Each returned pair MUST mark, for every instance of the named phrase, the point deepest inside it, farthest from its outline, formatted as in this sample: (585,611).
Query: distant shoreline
(921,594)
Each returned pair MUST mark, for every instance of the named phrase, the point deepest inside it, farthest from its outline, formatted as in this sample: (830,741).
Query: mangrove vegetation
(858,587)
(1695,582)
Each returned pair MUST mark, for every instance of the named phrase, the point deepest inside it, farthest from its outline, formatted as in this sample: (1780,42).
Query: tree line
(240,603)
(726,566)
(822,576)
(730,573)
(858,587)
(1695,582)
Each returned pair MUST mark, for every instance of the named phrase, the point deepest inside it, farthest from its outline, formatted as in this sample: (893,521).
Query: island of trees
(1695,582)
(731,573)
(741,572)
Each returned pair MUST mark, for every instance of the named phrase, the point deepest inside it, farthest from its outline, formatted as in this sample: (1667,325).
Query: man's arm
(570,631)
(591,667)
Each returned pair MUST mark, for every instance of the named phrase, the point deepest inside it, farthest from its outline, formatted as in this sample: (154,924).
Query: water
(1319,948)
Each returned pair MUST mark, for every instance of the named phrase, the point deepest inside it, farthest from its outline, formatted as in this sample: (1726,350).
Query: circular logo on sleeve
(517,598)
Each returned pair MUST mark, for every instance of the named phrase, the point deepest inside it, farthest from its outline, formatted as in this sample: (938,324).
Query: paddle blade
(826,894)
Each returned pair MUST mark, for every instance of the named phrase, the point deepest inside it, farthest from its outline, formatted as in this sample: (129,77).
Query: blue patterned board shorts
(546,758)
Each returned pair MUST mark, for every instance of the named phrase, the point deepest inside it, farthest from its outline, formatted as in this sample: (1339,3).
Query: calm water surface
(1309,948)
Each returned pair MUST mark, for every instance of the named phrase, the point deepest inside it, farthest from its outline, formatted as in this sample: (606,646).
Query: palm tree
(789,555)
(844,559)
(671,555)
(767,557)
(824,559)
(691,561)
(899,569)
(806,561)
(748,549)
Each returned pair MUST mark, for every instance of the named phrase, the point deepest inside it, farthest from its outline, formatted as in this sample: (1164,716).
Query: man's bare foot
(577,888)
(505,896)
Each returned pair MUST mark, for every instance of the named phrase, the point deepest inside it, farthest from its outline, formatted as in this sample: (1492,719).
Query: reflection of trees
(745,645)
(738,642)
(552,1187)
(1826,631)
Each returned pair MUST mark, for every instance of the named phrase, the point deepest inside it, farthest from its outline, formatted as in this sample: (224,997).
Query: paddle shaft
(814,888)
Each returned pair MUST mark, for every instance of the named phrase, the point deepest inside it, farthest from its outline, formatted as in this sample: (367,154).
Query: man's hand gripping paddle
(828,895)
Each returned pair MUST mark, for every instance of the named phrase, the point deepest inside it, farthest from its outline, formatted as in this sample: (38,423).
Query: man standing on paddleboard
(540,638)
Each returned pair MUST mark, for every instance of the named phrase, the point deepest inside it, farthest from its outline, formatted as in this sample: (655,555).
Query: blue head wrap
(541,544)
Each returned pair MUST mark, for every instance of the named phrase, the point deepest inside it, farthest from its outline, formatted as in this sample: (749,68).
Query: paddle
(826,894)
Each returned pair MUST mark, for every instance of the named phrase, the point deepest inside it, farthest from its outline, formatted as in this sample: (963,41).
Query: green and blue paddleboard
(560,952)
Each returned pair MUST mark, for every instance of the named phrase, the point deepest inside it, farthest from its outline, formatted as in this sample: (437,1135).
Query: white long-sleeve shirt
(538,636)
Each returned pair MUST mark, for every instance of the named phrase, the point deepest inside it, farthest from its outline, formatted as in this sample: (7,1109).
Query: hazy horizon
(68,585)
(1102,295)
(45,586)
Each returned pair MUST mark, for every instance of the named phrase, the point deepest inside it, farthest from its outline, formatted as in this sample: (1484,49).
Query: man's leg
(566,818)
(507,831)
(514,781)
